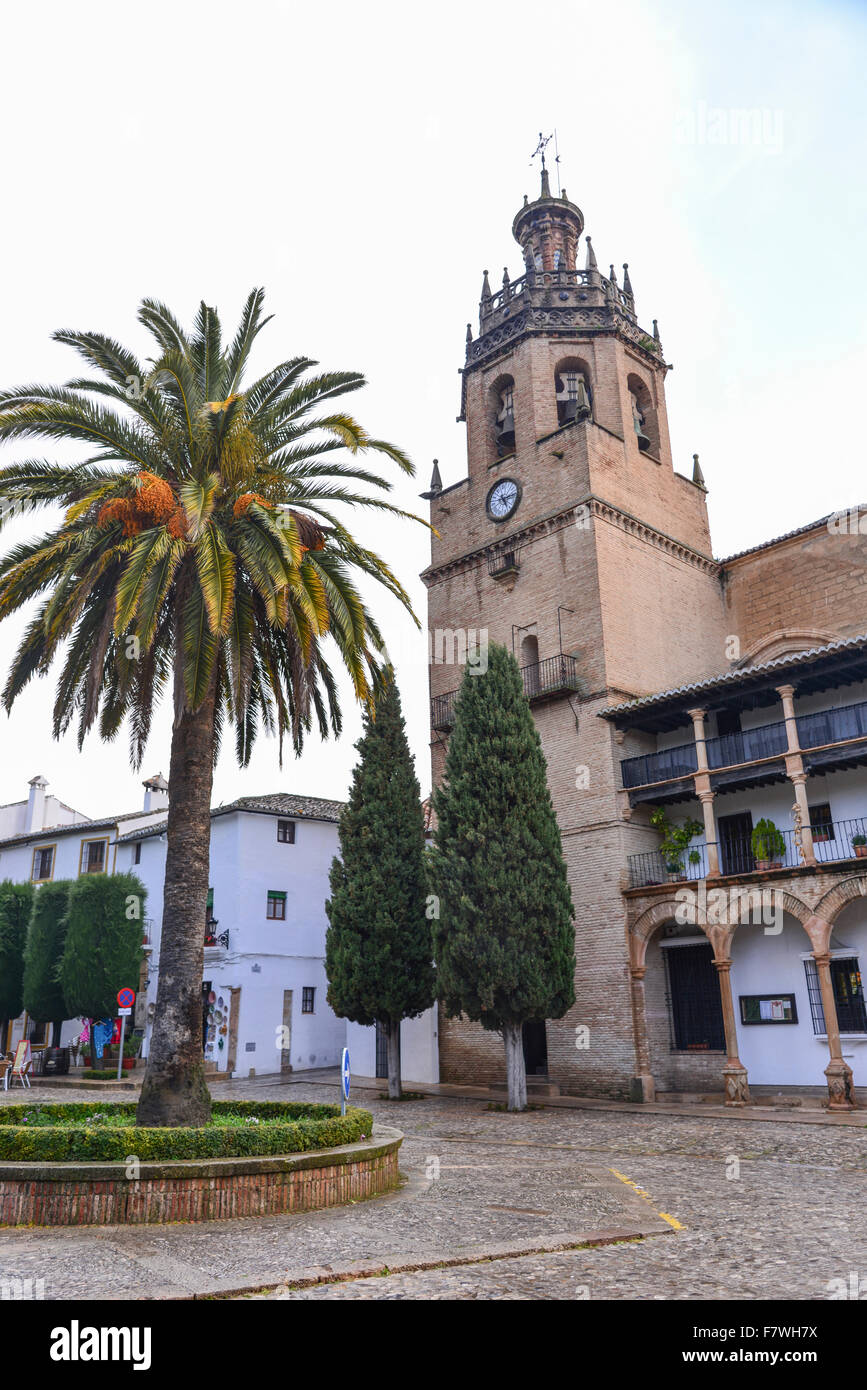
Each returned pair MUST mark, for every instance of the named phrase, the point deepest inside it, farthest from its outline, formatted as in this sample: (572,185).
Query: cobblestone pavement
(730,1209)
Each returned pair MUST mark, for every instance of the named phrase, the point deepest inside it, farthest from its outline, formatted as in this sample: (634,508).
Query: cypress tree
(504,943)
(102,953)
(378,947)
(46,937)
(16,900)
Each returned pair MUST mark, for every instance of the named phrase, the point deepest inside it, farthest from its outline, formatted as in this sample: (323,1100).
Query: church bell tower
(573,542)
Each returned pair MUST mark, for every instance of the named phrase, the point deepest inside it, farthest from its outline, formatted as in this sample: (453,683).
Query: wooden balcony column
(795,771)
(704,792)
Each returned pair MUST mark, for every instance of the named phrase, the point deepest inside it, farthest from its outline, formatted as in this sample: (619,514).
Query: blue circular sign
(344,1073)
(126,998)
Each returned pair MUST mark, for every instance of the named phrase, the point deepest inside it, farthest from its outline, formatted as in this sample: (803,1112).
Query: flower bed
(106,1132)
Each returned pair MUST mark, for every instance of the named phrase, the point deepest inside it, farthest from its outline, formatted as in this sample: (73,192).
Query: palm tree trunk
(174,1090)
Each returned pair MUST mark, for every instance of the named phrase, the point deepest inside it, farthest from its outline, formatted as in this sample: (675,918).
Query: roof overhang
(822,668)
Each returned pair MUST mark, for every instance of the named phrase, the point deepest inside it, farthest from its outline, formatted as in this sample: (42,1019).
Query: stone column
(838,1072)
(795,770)
(734,1072)
(706,797)
(643,1085)
(703,791)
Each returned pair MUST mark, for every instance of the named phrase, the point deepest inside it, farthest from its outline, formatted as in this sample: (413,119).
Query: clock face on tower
(503,499)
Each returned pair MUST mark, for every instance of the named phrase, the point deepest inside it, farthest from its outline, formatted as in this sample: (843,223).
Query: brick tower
(575,544)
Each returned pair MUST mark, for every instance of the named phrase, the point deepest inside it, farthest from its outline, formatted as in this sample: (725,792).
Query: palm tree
(198,556)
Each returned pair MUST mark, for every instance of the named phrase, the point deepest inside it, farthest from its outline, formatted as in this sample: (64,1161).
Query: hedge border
(307,1127)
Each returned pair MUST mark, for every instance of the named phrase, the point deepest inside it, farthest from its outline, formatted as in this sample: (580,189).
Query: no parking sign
(125,1001)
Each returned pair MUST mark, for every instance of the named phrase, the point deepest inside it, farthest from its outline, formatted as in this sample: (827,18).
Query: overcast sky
(364,163)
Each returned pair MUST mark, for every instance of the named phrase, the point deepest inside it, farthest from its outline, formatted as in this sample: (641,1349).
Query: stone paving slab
(763,1209)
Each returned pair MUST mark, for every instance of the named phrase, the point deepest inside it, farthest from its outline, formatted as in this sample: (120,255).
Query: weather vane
(544,142)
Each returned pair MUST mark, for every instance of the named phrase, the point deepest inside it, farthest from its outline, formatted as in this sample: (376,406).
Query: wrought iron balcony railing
(671,763)
(542,679)
(831,726)
(832,843)
(748,745)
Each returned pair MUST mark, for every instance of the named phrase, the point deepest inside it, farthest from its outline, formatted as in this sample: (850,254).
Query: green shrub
(89,1132)
(102,952)
(767,842)
(46,936)
(16,901)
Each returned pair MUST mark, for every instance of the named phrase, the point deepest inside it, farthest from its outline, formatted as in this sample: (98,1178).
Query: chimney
(36,805)
(156,797)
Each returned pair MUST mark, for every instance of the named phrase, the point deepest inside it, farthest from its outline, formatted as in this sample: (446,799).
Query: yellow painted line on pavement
(646,1197)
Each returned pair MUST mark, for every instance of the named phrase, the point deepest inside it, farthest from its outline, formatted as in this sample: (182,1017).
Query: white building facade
(264,987)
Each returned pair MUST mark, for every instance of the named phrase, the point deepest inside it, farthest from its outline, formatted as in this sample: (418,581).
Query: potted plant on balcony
(676,840)
(859,845)
(768,845)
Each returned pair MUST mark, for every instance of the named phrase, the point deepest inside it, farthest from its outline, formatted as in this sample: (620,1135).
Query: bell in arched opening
(504,429)
(573,397)
(639,422)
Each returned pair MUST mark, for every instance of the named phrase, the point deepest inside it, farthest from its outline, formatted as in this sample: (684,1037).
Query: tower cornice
(589,506)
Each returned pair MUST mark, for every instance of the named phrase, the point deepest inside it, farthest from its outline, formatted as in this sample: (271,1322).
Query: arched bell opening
(501,407)
(572,390)
(643,415)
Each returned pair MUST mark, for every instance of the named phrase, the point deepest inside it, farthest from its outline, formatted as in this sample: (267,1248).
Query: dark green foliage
(103,943)
(504,941)
(378,948)
(46,935)
(16,901)
(89,1131)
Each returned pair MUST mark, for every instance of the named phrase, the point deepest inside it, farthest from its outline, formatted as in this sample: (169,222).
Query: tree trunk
(392,1048)
(174,1090)
(516,1072)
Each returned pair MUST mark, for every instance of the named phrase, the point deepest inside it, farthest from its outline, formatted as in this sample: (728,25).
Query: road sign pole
(120,1058)
(344,1080)
(125,1001)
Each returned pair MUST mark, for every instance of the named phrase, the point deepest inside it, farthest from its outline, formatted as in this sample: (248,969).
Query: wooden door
(234,1015)
(286,1050)
(735,847)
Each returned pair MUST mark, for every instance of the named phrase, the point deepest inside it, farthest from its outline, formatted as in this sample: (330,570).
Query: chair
(20,1066)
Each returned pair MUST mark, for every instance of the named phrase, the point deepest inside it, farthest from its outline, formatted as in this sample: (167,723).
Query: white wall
(419,1048)
(246,861)
(16,860)
(792,1054)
